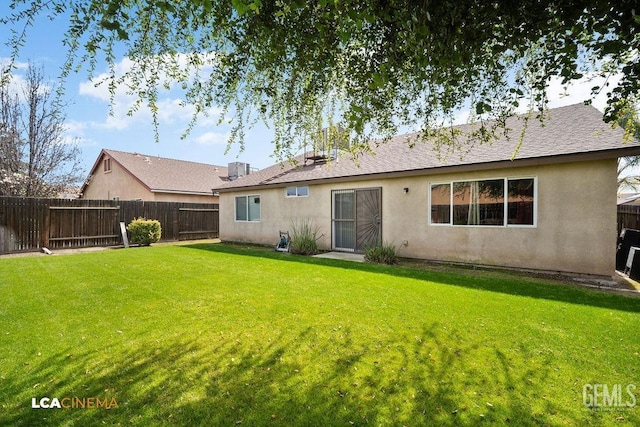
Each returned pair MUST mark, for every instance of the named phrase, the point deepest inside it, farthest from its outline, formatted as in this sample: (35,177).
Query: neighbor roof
(162,175)
(629,198)
(573,133)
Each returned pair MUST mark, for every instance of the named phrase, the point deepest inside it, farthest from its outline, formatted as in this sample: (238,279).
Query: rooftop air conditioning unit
(238,170)
(329,144)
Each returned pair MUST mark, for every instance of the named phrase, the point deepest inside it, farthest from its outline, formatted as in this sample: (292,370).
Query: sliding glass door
(356,219)
(344,220)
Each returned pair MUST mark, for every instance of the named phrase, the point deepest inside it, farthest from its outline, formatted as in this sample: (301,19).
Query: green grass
(223,335)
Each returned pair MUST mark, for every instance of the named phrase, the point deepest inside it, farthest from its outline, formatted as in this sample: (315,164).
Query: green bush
(144,231)
(386,253)
(304,238)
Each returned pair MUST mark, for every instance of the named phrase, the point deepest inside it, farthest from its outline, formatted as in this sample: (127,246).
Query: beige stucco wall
(185,198)
(277,212)
(119,183)
(115,183)
(575,231)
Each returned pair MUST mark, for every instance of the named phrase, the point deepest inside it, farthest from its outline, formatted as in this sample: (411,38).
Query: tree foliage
(35,160)
(368,66)
(628,178)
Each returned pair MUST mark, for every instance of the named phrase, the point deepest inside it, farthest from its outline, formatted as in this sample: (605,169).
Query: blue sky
(89,122)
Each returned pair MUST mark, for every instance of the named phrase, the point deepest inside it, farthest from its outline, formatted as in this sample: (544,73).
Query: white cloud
(173,110)
(580,90)
(98,87)
(74,127)
(124,111)
(95,89)
(17,83)
(76,133)
(19,65)
(212,138)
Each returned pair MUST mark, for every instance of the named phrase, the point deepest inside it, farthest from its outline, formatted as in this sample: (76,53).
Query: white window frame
(235,208)
(506,203)
(297,191)
(441,224)
(535,202)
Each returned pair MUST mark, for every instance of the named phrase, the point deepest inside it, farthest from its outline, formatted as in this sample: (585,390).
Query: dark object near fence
(632,267)
(626,240)
(28,224)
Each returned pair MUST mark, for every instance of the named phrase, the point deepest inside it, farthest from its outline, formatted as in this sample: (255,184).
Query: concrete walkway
(345,256)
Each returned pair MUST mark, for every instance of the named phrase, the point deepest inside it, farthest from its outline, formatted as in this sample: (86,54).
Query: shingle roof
(623,199)
(160,174)
(564,135)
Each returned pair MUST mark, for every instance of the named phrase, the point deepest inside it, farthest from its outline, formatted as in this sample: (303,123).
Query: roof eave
(194,193)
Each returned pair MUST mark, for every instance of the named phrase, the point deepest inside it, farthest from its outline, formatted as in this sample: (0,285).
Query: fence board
(27,224)
(85,208)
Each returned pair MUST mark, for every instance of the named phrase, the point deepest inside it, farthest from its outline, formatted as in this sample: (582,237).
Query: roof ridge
(164,158)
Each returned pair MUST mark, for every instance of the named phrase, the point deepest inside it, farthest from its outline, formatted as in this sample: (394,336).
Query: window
(301,191)
(107,165)
(521,202)
(483,202)
(441,204)
(478,202)
(248,208)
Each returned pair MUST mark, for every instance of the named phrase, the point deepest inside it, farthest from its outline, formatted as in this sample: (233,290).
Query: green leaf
(240,6)
(482,107)
(110,25)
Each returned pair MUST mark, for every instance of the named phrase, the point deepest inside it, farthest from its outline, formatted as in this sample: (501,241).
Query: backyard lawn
(213,334)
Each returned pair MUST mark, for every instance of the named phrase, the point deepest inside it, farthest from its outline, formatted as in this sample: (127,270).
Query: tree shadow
(511,284)
(296,379)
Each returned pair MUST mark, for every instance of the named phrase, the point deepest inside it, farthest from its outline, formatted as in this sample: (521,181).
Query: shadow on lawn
(502,282)
(297,379)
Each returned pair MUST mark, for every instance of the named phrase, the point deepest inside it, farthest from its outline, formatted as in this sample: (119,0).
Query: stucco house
(548,205)
(128,176)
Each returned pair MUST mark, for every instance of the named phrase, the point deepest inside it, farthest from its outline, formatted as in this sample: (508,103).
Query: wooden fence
(28,224)
(628,217)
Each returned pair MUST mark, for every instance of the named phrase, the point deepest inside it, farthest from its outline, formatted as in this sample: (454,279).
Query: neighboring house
(551,207)
(128,176)
(628,199)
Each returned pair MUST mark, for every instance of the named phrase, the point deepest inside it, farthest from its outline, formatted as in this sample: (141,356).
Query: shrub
(304,237)
(144,231)
(381,254)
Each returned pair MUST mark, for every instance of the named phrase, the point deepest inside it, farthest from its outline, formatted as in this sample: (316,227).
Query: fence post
(46,226)
(176,221)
